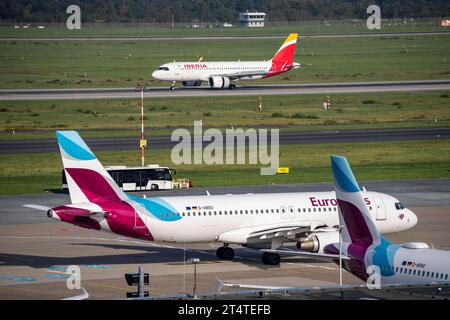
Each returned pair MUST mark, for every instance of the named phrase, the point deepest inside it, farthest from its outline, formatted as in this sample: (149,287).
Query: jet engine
(191,83)
(317,241)
(218,82)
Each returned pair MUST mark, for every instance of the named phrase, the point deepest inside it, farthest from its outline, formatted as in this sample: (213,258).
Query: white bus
(151,177)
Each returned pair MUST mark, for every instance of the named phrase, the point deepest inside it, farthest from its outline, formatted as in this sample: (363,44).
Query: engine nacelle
(317,241)
(191,83)
(218,82)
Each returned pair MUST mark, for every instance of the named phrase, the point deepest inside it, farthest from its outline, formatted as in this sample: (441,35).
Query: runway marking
(18,279)
(56,276)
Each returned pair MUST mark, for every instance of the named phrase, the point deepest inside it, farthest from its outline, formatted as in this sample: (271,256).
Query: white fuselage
(202,71)
(415,266)
(231,218)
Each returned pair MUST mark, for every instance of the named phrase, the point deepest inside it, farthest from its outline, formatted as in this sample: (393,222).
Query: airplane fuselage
(203,71)
(232,218)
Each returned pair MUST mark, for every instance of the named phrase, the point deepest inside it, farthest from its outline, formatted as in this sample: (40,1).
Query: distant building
(251,19)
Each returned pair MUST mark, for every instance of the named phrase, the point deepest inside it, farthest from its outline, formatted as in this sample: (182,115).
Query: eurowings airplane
(254,221)
(365,250)
(221,75)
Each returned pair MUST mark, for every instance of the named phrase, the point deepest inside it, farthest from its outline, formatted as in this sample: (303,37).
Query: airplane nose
(155,74)
(412,218)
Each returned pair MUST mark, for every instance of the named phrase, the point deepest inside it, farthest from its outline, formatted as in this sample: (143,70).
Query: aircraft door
(380,209)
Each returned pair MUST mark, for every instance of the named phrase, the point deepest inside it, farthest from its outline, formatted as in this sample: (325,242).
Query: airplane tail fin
(359,228)
(285,55)
(87,179)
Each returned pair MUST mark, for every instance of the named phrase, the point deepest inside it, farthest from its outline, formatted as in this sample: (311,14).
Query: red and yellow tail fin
(285,54)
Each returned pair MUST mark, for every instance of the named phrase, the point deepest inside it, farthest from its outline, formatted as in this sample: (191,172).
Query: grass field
(39,119)
(62,64)
(36,173)
(305,27)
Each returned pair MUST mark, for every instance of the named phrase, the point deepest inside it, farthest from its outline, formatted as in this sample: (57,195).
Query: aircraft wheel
(172,88)
(272,259)
(225,253)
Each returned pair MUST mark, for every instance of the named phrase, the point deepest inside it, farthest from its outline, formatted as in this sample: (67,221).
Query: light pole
(142,142)
(340,260)
(194,261)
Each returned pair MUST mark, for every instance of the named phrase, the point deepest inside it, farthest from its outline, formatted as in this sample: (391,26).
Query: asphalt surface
(35,252)
(242,90)
(285,138)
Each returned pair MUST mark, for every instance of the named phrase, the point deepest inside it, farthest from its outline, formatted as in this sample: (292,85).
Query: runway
(158,38)
(35,251)
(285,138)
(242,90)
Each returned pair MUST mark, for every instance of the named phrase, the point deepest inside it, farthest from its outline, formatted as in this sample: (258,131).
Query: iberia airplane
(220,75)
(258,221)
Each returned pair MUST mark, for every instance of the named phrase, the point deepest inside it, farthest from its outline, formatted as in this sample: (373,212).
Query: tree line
(179,11)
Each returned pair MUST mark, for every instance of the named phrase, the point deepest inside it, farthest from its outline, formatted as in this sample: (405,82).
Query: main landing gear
(225,253)
(272,259)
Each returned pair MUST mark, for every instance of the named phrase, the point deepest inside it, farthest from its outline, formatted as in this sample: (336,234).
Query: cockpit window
(163,68)
(399,206)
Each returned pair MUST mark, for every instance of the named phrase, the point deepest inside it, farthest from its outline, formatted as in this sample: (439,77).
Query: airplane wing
(245,74)
(306,254)
(288,231)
